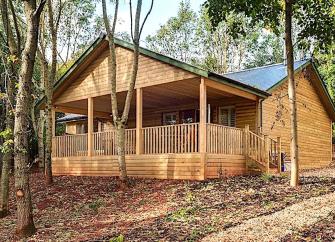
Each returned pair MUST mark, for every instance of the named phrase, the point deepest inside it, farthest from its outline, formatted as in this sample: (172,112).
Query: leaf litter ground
(96,209)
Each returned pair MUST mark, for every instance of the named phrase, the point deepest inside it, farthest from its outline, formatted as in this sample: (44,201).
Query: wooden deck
(168,152)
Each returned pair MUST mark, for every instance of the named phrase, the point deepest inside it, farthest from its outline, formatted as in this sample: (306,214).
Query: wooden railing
(224,140)
(263,150)
(69,145)
(256,148)
(181,138)
(104,143)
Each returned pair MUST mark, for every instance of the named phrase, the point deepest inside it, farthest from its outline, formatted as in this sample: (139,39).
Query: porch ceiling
(159,96)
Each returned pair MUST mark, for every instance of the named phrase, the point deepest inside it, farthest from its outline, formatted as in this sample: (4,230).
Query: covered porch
(190,129)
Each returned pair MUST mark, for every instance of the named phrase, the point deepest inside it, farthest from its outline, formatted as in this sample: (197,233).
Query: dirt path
(275,226)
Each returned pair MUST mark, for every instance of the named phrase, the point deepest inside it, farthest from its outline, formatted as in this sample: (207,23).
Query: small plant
(119,238)
(95,205)
(190,198)
(182,214)
(266,177)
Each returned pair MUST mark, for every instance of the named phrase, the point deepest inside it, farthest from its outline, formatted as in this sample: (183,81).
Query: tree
(25,224)
(10,76)
(53,23)
(176,38)
(121,120)
(316,21)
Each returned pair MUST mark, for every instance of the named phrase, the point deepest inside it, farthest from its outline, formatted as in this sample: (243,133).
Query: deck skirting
(161,166)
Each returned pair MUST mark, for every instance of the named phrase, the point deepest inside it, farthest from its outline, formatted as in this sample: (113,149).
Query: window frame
(229,109)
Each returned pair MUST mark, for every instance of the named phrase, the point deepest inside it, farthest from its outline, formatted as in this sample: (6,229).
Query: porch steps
(254,167)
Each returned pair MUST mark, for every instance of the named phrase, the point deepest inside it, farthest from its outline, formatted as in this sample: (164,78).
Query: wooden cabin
(185,122)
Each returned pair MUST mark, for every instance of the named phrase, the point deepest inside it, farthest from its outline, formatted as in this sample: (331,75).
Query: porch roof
(185,66)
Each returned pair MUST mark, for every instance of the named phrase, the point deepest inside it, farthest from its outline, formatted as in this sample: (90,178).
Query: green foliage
(181,215)
(7,136)
(95,205)
(315,19)
(119,238)
(266,177)
(177,36)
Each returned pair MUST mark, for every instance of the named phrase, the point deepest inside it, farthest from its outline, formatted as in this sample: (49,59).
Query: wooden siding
(245,111)
(219,166)
(314,124)
(94,80)
(164,166)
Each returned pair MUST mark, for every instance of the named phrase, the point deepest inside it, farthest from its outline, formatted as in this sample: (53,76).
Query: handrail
(263,150)
(180,138)
(224,139)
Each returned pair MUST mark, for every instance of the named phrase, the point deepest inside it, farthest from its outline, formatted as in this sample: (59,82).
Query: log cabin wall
(245,113)
(314,124)
(93,81)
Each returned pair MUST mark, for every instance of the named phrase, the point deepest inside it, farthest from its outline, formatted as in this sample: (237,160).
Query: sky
(161,12)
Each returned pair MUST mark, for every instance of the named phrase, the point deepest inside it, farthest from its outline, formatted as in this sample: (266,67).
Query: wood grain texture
(314,124)
(165,166)
(93,81)
(219,165)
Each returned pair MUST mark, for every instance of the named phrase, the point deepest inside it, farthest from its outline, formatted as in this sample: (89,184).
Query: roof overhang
(323,92)
(102,40)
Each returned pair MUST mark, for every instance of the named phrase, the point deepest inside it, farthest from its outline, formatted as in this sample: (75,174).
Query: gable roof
(259,81)
(102,39)
(265,77)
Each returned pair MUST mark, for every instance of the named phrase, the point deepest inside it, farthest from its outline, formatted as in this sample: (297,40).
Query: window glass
(227,116)
(169,118)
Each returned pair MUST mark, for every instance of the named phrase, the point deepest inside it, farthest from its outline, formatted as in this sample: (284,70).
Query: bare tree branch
(146,17)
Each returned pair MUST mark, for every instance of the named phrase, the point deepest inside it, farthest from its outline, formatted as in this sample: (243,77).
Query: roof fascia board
(324,88)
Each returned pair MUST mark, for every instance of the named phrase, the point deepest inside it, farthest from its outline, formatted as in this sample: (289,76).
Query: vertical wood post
(279,154)
(90,118)
(203,126)
(267,153)
(139,120)
(246,146)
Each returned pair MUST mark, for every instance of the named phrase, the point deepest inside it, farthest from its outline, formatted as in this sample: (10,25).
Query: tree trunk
(25,224)
(8,156)
(48,144)
(291,94)
(40,134)
(49,92)
(120,122)
(120,147)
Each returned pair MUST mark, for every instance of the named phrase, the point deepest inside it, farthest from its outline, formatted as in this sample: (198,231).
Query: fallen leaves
(94,208)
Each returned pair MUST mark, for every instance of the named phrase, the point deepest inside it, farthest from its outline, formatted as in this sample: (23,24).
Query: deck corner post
(245,145)
(267,153)
(139,121)
(203,126)
(90,118)
(279,154)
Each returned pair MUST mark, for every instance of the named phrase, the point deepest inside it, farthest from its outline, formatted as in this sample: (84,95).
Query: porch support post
(139,120)
(90,107)
(203,126)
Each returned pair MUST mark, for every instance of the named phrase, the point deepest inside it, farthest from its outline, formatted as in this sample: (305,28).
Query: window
(169,118)
(81,128)
(187,116)
(227,116)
